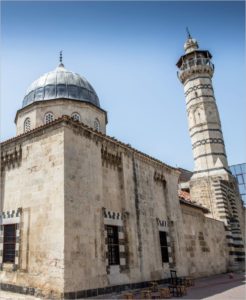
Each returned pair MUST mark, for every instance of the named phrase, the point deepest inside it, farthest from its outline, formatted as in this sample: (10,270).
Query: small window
(27,124)
(49,117)
(164,247)
(97,125)
(76,116)
(113,245)
(9,240)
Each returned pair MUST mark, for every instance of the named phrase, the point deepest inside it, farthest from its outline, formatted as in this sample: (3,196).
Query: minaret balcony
(194,66)
(196,62)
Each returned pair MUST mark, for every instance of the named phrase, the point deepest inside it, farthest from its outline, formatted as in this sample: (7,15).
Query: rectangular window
(164,247)
(113,245)
(9,240)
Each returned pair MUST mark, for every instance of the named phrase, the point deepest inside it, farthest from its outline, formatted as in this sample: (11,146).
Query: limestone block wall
(103,178)
(206,244)
(36,112)
(32,184)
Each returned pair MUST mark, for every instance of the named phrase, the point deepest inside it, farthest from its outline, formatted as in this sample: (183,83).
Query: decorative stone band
(162,225)
(110,158)
(204,130)
(6,218)
(198,87)
(112,217)
(208,141)
(201,69)
(198,77)
(212,169)
(210,98)
(235,246)
(115,219)
(11,157)
(208,154)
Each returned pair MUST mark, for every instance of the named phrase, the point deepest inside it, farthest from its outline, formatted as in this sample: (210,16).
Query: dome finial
(61,64)
(188,33)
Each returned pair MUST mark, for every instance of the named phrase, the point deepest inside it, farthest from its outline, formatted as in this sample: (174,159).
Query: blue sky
(128,52)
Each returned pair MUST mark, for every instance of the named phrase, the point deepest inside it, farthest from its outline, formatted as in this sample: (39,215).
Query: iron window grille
(113,245)
(164,247)
(76,116)
(27,124)
(49,117)
(9,241)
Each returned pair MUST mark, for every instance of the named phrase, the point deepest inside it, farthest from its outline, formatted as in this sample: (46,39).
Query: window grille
(49,117)
(113,245)
(76,116)
(164,247)
(9,241)
(27,124)
(97,125)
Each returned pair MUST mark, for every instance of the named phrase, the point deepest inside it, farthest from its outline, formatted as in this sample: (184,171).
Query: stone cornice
(96,136)
(11,157)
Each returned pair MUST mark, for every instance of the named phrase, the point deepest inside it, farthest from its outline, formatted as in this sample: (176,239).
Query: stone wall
(59,107)
(104,176)
(206,244)
(69,183)
(32,184)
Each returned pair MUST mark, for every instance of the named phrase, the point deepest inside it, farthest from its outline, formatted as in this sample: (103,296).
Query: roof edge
(111,139)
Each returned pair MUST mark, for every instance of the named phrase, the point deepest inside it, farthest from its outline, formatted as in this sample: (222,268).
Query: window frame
(113,245)
(49,113)
(27,122)
(97,125)
(163,246)
(9,242)
(76,114)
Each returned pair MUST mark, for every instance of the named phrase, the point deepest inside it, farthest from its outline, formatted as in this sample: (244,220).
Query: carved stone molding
(159,177)
(110,158)
(186,74)
(11,157)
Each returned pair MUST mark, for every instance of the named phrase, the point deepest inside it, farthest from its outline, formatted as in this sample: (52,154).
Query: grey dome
(60,83)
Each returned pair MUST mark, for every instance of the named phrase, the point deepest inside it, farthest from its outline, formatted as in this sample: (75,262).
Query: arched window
(27,124)
(97,125)
(76,116)
(48,117)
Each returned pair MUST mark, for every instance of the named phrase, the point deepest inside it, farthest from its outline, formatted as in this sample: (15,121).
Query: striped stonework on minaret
(211,184)
(196,72)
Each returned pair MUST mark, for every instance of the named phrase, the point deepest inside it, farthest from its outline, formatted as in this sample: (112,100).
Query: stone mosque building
(83,214)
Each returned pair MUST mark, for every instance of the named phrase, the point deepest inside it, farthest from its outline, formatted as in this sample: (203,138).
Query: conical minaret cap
(190,44)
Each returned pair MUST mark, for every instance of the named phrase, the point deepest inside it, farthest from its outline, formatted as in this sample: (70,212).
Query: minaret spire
(188,33)
(60,58)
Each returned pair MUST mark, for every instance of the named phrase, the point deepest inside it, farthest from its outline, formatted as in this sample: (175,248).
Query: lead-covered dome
(60,83)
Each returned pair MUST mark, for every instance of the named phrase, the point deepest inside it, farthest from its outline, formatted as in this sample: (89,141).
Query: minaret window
(76,116)
(97,125)
(27,124)
(49,117)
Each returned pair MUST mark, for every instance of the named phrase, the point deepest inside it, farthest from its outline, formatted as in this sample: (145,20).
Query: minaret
(212,184)
(196,72)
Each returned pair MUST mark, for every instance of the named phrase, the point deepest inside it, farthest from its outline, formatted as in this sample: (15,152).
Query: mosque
(83,214)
